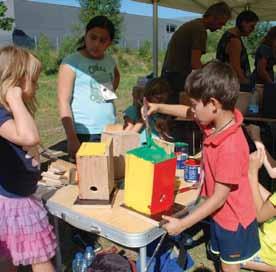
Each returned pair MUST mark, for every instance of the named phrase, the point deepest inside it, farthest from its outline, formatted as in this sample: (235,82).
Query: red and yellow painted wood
(149,181)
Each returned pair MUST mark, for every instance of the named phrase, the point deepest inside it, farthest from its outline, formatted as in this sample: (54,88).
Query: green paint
(154,153)
(150,142)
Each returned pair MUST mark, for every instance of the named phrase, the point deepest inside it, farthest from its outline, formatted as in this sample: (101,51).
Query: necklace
(222,127)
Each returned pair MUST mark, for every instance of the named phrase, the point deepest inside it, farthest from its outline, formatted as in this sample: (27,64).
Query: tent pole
(155,38)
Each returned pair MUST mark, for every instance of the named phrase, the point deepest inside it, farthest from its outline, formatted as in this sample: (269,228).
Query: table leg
(143,258)
(58,251)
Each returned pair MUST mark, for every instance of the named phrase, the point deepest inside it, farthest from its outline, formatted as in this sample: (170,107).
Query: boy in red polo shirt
(213,92)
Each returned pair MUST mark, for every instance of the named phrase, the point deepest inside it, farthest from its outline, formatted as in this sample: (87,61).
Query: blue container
(89,255)
(77,262)
(191,171)
(181,151)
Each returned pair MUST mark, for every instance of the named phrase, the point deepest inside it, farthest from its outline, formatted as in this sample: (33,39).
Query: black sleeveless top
(223,56)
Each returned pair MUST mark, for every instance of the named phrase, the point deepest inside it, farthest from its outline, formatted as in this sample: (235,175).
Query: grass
(51,130)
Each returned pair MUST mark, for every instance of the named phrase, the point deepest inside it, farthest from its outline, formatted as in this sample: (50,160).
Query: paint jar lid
(181,144)
(192,162)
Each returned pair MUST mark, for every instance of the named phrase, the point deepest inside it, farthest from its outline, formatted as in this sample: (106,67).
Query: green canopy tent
(266,10)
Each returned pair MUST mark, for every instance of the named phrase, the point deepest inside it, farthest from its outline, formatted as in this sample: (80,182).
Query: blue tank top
(91,113)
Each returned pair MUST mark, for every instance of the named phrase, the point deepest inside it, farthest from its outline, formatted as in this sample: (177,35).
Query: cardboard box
(123,141)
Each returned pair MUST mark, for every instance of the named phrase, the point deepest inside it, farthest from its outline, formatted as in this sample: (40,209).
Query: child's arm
(128,123)
(264,208)
(174,110)
(175,226)
(135,127)
(113,127)
(138,126)
(116,80)
(22,129)
(267,163)
(65,83)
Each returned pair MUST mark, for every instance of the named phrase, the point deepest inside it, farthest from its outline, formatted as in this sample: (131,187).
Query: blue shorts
(235,246)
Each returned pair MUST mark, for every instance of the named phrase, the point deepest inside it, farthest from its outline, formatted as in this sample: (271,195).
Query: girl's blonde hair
(18,66)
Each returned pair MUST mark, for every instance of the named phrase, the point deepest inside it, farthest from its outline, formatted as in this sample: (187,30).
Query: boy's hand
(152,108)
(173,226)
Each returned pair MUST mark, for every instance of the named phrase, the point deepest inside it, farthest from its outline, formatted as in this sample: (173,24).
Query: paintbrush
(147,125)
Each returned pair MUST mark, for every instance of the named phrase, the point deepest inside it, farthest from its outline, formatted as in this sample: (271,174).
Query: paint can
(181,150)
(192,170)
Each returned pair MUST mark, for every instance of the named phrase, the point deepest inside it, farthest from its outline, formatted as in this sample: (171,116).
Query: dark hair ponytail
(246,16)
(97,21)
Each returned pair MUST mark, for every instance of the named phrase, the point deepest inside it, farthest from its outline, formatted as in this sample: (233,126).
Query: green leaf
(5,22)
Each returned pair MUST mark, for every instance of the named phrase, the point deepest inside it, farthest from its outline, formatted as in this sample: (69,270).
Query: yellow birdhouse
(95,171)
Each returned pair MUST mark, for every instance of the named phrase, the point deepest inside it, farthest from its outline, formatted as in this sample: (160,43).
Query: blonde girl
(26,238)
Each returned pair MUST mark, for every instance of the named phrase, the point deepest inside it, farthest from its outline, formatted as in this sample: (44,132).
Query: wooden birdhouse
(123,141)
(149,180)
(95,171)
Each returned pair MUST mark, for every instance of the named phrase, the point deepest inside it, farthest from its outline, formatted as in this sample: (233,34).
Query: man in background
(188,44)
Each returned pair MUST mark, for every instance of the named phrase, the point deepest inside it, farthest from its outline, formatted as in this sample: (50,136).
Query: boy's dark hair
(246,16)
(98,21)
(218,9)
(215,80)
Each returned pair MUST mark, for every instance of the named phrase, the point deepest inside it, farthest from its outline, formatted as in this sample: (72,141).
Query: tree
(5,22)
(109,8)
(46,55)
(214,37)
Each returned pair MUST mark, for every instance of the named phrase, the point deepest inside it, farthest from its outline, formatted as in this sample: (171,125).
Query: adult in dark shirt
(265,58)
(188,44)
(231,49)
